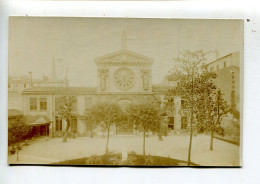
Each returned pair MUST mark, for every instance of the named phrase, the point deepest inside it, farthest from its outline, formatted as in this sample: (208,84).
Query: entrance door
(74,125)
(171,123)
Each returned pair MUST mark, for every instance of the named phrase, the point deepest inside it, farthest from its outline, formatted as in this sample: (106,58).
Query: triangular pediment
(124,57)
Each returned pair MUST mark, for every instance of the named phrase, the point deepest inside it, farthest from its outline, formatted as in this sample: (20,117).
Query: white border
(179,9)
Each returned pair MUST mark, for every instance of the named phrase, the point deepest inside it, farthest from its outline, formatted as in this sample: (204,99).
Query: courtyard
(46,150)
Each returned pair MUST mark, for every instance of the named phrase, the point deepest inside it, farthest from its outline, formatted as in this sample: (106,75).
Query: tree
(106,115)
(18,130)
(90,121)
(192,78)
(217,108)
(64,111)
(145,117)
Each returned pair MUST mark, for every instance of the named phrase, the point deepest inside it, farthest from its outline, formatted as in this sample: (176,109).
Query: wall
(15,100)
(28,112)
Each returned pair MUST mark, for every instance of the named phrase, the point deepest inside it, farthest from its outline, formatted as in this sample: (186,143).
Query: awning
(37,120)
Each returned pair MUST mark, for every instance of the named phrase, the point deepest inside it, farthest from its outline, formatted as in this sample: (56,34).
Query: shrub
(18,130)
(94,160)
(231,128)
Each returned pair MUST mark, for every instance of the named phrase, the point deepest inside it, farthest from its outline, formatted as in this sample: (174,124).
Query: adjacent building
(228,78)
(16,84)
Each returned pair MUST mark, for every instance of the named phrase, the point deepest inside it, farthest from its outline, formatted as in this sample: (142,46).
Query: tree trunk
(211,139)
(189,154)
(108,130)
(144,144)
(66,131)
(52,129)
(17,152)
(191,119)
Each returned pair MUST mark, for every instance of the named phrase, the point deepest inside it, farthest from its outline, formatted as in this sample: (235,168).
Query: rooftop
(228,55)
(61,90)
(77,90)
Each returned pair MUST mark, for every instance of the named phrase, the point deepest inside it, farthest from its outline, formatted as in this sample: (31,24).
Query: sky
(74,43)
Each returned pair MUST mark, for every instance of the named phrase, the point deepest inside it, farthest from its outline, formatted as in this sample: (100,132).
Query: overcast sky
(75,42)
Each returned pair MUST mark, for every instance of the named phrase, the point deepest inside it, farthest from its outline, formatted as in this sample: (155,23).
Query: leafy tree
(211,106)
(105,114)
(90,121)
(192,78)
(145,117)
(64,111)
(18,130)
(216,109)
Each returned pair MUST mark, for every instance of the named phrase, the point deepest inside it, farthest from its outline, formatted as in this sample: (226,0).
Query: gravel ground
(45,151)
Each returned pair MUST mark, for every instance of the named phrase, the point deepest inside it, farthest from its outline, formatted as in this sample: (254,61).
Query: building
(16,84)
(228,78)
(124,77)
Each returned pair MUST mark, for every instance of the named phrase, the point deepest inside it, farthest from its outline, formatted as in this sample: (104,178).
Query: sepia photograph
(125,92)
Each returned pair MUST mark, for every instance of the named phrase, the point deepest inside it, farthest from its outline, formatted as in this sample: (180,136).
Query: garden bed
(112,159)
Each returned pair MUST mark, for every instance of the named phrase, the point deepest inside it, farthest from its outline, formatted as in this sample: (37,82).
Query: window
(88,102)
(58,124)
(171,101)
(9,85)
(33,103)
(183,122)
(74,125)
(225,64)
(171,123)
(43,104)
(183,104)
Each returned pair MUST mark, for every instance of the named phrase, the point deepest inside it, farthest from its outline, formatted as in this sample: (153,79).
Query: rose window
(124,78)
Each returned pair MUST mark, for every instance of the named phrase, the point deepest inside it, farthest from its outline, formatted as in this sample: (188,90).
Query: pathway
(42,151)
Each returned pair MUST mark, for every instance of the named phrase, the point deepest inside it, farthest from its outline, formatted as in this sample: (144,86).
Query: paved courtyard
(45,151)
